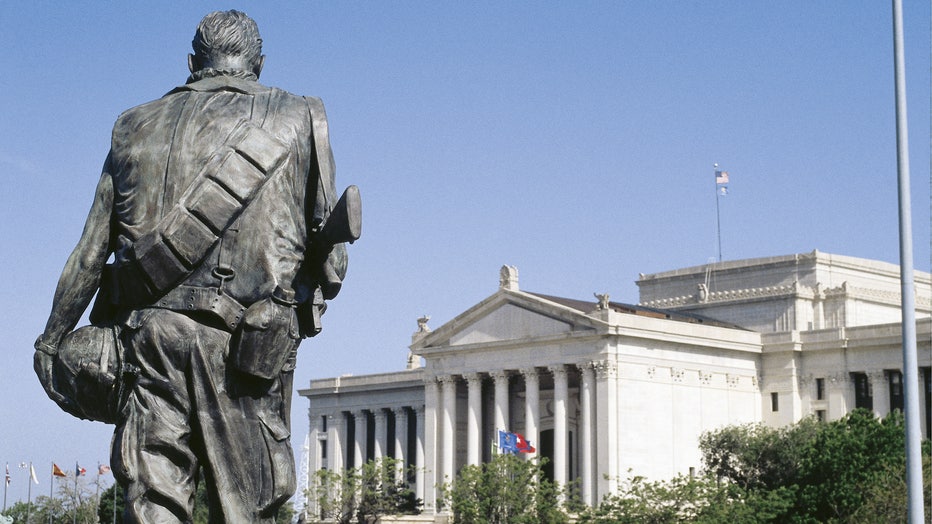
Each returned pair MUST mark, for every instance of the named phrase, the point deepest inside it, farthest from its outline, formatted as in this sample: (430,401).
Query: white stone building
(605,390)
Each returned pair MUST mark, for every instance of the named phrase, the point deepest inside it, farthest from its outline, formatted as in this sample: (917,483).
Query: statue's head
(227,41)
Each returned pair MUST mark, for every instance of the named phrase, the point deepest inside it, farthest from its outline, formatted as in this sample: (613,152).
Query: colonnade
(595,386)
(447,437)
(390,430)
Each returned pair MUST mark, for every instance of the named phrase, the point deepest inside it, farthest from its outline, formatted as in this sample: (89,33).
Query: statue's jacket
(160,149)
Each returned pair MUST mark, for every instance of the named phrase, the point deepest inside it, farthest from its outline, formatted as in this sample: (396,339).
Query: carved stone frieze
(678,374)
(706,296)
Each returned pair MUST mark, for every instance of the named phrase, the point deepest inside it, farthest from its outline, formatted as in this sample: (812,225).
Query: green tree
(844,459)
(19,510)
(362,495)
(839,471)
(105,507)
(508,489)
(683,499)
(756,456)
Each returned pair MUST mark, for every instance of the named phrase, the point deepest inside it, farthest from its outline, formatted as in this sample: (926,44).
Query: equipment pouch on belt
(266,336)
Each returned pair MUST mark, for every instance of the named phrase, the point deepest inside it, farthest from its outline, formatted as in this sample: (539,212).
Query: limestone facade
(606,390)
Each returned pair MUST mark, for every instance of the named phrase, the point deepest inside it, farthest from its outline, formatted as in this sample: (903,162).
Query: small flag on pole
(514,443)
(78,470)
(57,471)
(32,473)
(103,469)
(721,177)
(8,478)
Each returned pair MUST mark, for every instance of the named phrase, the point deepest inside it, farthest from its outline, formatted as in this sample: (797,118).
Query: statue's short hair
(228,33)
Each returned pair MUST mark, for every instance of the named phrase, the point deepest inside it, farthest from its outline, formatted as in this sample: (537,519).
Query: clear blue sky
(574,140)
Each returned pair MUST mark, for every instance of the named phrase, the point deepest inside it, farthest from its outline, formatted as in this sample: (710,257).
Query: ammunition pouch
(230,180)
(267,336)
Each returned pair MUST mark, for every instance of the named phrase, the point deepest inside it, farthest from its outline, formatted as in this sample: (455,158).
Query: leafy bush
(508,489)
(362,495)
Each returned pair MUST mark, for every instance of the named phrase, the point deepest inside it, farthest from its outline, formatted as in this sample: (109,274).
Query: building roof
(643,311)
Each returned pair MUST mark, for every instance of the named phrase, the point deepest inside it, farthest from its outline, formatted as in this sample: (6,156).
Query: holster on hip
(266,336)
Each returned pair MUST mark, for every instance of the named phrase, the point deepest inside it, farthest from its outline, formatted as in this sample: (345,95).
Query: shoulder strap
(224,187)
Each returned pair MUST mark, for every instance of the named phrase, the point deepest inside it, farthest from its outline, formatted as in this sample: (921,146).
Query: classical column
(448,449)
(429,466)
(585,433)
(531,405)
(473,419)
(362,428)
(401,443)
(560,449)
(317,439)
(501,402)
(336,442)
(380,443)
(840,395)
(880,386)
(419,490)
(606,405)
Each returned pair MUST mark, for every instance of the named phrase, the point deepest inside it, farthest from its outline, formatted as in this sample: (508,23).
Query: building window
(323,423)
(774,401)
(820,389)
(820,415)
(895,380)
(863,395)
(323,449)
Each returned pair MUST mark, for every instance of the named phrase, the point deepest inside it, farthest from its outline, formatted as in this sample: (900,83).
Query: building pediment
(508,316)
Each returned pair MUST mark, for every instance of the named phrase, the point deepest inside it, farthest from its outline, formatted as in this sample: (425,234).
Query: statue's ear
(194,65)
(257,67)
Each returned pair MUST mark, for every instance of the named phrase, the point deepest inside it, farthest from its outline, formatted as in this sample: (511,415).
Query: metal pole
(74,518)
(97,494)
(718,215)
(910,360)
(51,481)
(29,493)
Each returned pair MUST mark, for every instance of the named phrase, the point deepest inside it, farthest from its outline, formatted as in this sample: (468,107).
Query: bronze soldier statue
(217,203)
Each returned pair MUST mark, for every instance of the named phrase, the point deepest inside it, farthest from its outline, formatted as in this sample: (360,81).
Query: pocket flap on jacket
(275,425)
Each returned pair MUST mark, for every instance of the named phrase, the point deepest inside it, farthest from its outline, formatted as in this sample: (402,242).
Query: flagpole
(914,497)
(97,494)
(718,215)
(51,481)
(6,484)
(74,518)
(29,491)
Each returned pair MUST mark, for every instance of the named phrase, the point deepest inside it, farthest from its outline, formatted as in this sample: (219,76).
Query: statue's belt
(205,299)
(228,183)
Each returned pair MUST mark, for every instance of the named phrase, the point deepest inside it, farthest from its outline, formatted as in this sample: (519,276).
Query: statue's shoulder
(143,115)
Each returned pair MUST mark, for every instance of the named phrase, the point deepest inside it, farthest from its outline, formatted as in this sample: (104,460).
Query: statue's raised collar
(223,83)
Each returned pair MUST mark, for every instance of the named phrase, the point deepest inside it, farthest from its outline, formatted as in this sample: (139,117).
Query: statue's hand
(42,363)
